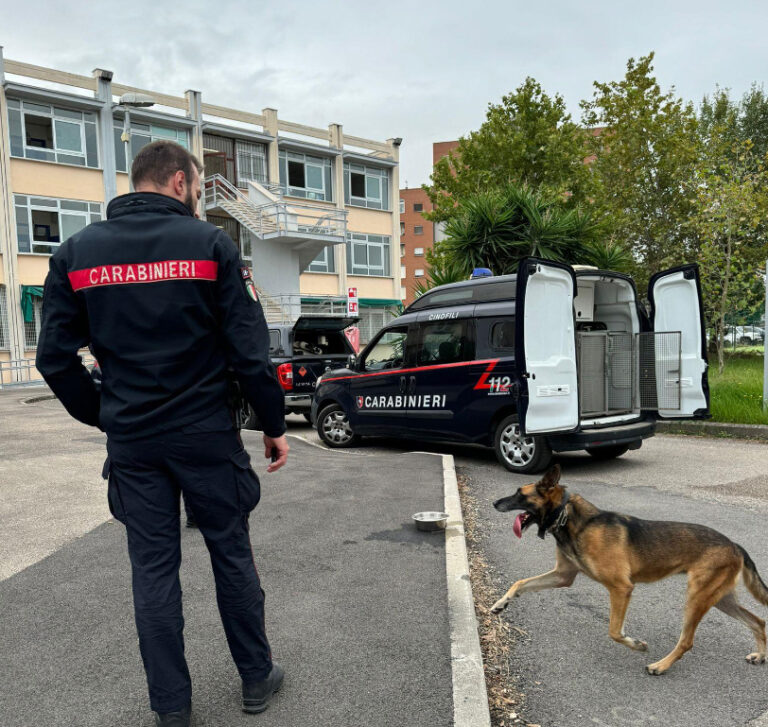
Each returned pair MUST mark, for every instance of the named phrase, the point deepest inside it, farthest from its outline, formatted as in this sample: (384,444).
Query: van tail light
(285,375)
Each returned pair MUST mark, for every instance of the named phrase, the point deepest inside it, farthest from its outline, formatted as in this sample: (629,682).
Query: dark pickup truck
(301,352)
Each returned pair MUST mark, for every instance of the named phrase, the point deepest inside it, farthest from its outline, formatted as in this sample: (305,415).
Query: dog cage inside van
(620,372)
(619,363)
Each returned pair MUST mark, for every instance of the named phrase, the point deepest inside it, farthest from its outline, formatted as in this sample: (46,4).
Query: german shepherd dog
(620,551)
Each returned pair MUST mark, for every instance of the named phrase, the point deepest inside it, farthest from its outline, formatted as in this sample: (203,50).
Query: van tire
(520,454)
(333,428)
(611,452)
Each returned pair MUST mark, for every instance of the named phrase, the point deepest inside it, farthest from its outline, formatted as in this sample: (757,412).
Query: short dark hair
(158,161)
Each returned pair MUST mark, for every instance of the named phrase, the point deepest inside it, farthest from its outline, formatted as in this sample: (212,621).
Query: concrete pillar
(195,112)
(106,124)
(336,140)
(394,205)
(273,157)
(8,242)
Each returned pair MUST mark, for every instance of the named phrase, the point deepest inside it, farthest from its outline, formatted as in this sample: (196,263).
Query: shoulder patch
(245,272)
(251,290)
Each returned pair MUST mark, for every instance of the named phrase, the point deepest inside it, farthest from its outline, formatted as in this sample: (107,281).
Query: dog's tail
(752,579)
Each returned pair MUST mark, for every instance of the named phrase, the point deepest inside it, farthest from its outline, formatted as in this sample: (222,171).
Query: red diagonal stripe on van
(149,272)
(493,361)
(482,383)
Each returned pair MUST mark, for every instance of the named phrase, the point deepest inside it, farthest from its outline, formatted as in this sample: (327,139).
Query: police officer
(169,307)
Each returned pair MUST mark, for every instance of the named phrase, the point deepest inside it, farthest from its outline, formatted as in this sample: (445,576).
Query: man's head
(165,167)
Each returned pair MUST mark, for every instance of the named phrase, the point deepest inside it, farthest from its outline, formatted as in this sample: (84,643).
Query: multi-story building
(418,235)
(313,210)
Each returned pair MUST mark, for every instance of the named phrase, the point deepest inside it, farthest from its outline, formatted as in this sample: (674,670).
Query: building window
(239,234)
(418,229)
(368,254)
(402,249)
(324,262)
(5,337)
(32,327)
(141,135)
(402,271)
(305,176)
(43,223)
(251,163)
(402,228)
(418,251)
(418,206)
(52,134)
(366,186)
(402,206)
(219,156)
(403,292)
(419,272)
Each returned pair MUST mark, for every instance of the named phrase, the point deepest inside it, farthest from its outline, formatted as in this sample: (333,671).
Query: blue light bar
(481,273)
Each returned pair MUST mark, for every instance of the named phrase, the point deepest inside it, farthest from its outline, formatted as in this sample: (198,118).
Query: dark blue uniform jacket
(168,307)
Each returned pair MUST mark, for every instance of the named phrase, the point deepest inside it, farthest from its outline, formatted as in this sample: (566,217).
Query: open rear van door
(681,383)
(545,347)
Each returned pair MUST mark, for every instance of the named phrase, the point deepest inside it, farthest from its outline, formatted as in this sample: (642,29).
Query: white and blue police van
(552,359)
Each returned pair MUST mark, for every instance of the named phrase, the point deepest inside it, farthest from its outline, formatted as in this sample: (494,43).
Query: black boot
(257,695)
(182,718)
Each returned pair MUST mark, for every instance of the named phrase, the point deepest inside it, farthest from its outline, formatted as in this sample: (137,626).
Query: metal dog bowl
(430,521)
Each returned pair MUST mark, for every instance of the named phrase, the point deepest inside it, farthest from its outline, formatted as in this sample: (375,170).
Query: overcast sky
(424,71)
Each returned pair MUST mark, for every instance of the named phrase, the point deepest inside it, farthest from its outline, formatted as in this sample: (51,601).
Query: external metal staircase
(277,219)
(287,236)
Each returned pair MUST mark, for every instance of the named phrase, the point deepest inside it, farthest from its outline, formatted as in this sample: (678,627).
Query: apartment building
(417,237)
(313,210)
(417,234)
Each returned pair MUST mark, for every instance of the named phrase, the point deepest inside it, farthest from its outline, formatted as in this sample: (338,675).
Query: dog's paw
(638,645)
(654,669)
(755,658)
(499,606)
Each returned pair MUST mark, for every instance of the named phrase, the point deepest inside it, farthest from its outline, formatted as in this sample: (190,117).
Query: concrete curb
(35,399)
(714,429)
(470,698)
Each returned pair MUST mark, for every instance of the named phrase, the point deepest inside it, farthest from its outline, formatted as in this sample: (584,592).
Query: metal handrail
(277,217)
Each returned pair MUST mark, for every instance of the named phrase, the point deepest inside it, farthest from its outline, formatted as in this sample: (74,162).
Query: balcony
(302,228)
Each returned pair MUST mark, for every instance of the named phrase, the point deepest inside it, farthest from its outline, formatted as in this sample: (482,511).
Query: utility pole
(765,344)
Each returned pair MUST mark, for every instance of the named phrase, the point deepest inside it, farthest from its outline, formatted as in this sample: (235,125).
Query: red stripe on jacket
(154,272)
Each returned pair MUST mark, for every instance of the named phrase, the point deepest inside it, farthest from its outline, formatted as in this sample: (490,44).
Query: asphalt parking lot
(563,661)
(356,607)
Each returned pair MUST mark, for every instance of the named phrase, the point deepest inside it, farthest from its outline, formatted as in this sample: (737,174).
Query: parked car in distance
(301,352)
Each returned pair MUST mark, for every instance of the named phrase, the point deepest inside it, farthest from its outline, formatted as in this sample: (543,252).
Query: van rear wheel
(523,454)
(604,453)
(333,427)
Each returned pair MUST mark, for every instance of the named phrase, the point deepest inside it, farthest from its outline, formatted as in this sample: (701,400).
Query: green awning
(379,302)
(28,292)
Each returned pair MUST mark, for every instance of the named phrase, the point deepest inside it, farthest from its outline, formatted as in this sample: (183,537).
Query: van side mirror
(352,362)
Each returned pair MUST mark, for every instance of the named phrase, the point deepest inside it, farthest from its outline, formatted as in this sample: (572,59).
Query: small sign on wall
(352,302)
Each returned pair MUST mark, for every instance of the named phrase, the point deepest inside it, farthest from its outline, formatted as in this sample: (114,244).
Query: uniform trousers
(213,470)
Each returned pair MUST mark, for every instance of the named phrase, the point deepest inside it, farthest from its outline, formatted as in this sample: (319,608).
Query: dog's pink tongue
(517,528)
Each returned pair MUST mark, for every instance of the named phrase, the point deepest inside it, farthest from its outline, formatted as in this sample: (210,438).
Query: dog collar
(562,516)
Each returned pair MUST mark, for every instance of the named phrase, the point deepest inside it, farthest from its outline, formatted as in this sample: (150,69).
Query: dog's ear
(550,479)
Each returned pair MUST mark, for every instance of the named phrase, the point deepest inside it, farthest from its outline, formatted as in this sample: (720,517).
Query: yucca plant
(439,272)
(610,255)
(497,229)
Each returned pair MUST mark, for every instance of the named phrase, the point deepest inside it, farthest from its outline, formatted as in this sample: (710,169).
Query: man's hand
(280,444)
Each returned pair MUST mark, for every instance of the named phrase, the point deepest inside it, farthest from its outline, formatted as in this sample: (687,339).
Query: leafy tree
(643,159)
(729,220)
(529,138)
